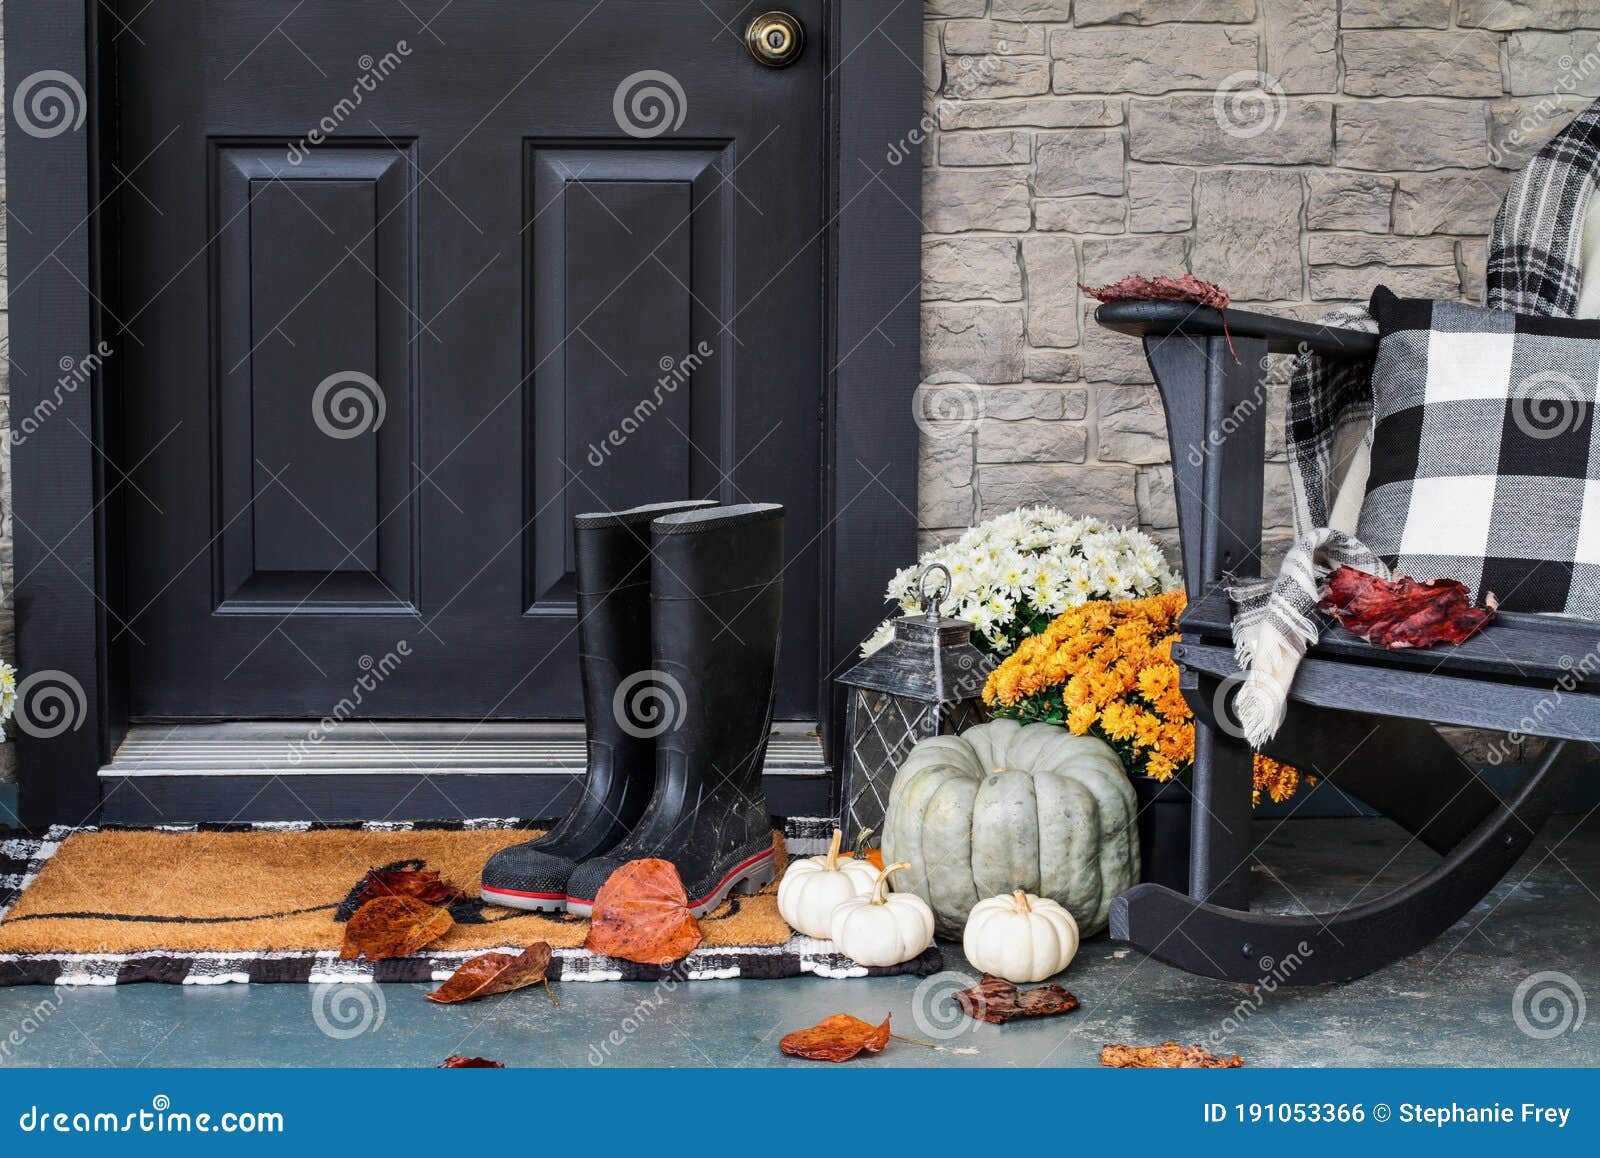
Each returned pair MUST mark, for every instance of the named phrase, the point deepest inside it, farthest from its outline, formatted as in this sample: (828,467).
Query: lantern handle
(932,600)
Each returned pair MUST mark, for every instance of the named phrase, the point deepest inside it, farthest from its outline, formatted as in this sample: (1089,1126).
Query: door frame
(68,489)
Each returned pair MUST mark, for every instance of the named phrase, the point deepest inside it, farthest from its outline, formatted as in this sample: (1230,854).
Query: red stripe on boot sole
(519,893)
(737,869)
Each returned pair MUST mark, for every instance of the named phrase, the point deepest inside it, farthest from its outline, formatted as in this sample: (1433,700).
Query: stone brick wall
(1297,152)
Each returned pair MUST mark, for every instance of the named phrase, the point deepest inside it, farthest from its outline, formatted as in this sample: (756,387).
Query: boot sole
(531,902)
(748,878)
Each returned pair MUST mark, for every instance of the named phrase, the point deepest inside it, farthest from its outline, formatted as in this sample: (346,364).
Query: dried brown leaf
(1404,613)
(456,1062)
(491,973)
(1167,1056)
(1187,288)
(836,1039)
(393,927)
(642,914)
(423,884)
(997,1001)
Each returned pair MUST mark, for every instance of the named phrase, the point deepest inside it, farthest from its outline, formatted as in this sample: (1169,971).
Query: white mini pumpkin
(813,887)
(884,928)
(1022,937)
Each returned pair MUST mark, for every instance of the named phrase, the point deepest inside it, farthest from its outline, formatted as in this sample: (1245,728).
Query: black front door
(406,286)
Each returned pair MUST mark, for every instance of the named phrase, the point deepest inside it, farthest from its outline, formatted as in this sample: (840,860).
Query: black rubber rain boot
(612,553)
(716,607)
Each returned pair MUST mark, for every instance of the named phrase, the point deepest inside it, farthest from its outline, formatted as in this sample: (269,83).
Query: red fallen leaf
(997,1001)
(423,884)
(642,914)
(393,927)
(1167,1056)
(1405,613)
(836,1039)
(491,973)
(456,1062)
(1187,288)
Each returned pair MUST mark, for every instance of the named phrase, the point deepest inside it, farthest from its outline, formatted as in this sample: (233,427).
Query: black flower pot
(1164,810)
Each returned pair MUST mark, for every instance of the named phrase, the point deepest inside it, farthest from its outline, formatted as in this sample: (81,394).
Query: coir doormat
(212,904)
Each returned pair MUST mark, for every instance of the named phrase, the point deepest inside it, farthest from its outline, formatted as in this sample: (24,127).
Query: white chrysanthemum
(1030,562)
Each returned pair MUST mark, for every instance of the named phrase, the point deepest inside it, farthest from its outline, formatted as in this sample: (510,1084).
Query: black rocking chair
(1359,715)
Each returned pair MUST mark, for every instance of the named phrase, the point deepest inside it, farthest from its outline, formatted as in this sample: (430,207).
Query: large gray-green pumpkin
(1008,806)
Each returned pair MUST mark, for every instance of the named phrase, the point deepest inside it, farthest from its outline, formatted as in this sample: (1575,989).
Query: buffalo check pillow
(1485,466)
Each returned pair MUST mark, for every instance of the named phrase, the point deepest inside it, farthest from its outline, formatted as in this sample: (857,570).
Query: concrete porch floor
(1449,1006)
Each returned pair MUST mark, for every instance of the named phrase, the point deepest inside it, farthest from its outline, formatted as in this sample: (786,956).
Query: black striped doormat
(22,857)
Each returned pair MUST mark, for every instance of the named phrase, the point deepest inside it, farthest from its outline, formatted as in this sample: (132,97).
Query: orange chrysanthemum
(1105,669)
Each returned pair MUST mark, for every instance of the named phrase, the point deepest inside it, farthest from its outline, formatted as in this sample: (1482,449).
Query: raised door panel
(626,392)
(312,288)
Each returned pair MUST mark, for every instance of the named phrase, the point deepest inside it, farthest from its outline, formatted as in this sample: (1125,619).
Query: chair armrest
(1282,335)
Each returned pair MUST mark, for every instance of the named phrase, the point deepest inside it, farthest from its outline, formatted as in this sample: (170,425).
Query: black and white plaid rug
(22,856)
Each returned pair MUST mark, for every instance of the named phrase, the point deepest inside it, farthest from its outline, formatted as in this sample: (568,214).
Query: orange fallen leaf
(642,914)
(423,884)
(456,1062)
(393,927)
(836,1039)
(1166,1056)
(491,973)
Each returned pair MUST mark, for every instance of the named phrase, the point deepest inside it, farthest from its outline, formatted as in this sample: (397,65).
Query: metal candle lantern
(926,681)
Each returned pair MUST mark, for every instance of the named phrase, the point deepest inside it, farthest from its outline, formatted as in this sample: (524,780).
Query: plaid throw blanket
(1535,267)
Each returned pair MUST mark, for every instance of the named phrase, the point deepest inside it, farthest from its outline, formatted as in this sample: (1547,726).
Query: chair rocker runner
(1358,715)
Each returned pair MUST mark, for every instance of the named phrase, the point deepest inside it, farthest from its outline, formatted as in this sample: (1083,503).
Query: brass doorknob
(775,39)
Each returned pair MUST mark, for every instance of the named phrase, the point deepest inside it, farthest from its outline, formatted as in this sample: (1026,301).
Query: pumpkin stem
(831,861)
(1021,899)
(880,890)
